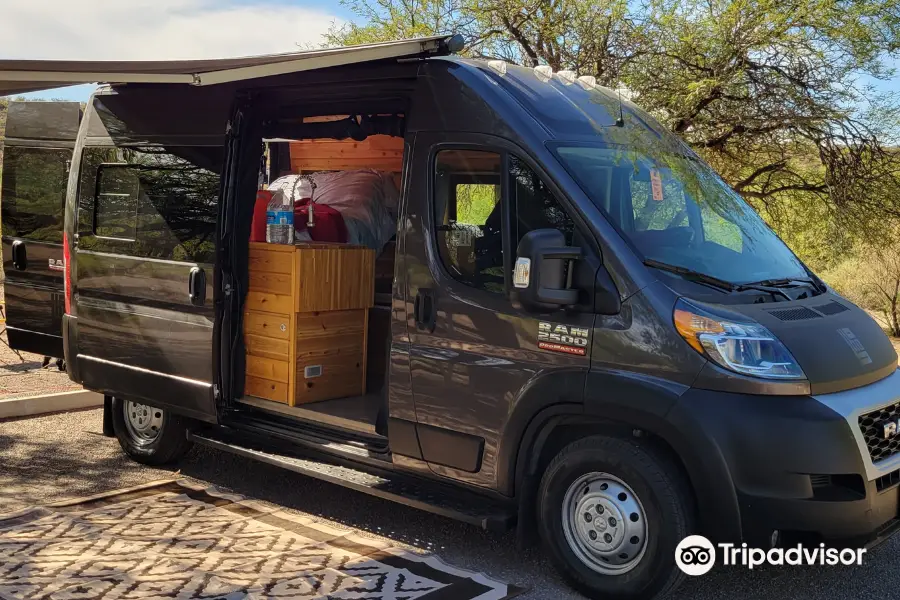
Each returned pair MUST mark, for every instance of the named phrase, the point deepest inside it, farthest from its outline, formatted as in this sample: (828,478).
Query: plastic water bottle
(280,219)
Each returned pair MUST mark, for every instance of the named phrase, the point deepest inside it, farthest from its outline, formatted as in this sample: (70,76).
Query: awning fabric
(21,76)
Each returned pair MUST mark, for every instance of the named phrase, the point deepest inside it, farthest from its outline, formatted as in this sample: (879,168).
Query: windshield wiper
(692,274)
(774,285)
(783,282)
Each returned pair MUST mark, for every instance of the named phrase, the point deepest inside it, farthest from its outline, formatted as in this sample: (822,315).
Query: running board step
(414,492)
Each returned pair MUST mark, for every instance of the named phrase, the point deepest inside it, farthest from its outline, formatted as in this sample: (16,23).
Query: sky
(158,29)
(172,29)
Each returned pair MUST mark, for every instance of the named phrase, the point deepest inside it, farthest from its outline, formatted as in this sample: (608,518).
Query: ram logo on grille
(889,428)
(881,431)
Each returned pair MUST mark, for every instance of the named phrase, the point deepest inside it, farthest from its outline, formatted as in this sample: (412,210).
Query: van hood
(837,344)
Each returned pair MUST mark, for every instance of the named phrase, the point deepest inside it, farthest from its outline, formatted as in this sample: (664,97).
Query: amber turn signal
(690,325)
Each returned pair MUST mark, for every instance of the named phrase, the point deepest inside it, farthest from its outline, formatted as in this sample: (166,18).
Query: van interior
(352,149)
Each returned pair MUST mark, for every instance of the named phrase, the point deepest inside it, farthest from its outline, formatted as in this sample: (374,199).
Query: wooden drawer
(272,283)
(263,388)
(268,302)
(329,323)
(267,347)
(267,368)
(268,325)
(271,258)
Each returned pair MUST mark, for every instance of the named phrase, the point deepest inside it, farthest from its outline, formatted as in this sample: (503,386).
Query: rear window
(33,192)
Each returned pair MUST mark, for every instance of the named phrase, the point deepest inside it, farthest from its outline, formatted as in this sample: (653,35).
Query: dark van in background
(37,154)
(613,352)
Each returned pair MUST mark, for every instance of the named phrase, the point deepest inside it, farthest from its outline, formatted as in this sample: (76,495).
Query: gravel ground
(55,457)
(22,374)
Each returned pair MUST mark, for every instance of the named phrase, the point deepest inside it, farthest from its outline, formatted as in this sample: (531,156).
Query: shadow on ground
(64,456)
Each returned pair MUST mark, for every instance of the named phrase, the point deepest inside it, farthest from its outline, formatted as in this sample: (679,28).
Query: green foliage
(475,202)
(769,92)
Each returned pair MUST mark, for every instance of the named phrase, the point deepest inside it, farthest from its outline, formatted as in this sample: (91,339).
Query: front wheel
(611,513)
(149,435)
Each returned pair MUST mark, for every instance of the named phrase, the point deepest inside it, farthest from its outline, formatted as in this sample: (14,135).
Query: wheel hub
(604,523)
(143,422)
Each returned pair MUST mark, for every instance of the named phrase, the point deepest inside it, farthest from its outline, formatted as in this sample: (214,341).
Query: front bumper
(799,464)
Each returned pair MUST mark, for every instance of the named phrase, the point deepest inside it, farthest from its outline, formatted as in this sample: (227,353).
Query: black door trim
(450,448)
(189,397)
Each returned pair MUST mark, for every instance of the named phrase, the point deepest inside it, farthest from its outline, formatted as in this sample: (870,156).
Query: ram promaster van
(572,326)
(37,151)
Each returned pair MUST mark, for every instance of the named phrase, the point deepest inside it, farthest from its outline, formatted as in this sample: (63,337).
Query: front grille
(801,313)
(872,427)
(887,481)
(832,308)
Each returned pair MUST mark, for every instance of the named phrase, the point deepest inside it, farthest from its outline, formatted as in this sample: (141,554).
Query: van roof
(20,76)
(564,106)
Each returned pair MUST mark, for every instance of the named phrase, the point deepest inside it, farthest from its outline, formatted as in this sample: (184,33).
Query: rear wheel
(149,435)
(611,512)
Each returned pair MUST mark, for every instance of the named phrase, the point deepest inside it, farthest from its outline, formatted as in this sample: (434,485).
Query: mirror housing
(541,280)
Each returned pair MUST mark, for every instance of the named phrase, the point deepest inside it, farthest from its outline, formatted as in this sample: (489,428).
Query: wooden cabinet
(306,321)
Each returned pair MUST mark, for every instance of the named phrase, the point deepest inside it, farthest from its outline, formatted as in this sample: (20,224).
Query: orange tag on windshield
(656,185)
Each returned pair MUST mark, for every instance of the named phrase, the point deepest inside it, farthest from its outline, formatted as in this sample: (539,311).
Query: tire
(657,504)
(136,434)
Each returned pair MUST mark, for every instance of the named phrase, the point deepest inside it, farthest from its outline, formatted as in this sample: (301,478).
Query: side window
(468,217)
(151,202)
(535,205)
(34,192)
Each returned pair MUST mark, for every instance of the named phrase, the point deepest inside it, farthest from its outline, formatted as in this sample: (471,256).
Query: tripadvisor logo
(696,555)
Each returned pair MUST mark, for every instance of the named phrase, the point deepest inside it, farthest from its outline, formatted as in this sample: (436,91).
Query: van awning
(21,76)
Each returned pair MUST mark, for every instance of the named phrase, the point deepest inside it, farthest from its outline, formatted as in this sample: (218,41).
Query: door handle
(19,255)
(197,286)
(424,310)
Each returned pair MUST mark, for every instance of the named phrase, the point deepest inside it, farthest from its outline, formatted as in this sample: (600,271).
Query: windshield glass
(676,210)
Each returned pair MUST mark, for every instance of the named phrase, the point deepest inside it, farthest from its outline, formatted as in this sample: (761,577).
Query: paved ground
(64,456)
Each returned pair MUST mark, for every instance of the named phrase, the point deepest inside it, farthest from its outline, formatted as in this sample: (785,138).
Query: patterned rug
(176,541)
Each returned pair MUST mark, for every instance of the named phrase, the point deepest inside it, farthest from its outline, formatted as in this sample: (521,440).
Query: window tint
(117,200)
(468,217)
(34,192)
(536,206)
(151,202)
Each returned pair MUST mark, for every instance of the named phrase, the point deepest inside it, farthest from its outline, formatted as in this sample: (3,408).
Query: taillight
(67,273)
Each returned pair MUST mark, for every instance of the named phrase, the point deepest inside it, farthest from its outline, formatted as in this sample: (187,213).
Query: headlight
(747,348)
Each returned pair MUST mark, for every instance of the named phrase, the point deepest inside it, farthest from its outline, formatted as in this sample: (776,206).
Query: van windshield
(674,209)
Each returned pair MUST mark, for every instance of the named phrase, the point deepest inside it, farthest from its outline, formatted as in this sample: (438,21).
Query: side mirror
(542,280)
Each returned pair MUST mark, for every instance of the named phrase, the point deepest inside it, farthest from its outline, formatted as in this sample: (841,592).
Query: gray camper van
(37,152)
(610,353)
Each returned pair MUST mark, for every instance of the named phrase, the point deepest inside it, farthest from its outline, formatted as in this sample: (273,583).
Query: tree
(4,104)
(768,91)
(871,279)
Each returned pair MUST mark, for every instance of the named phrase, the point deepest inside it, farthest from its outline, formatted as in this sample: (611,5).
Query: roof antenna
(620,122)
